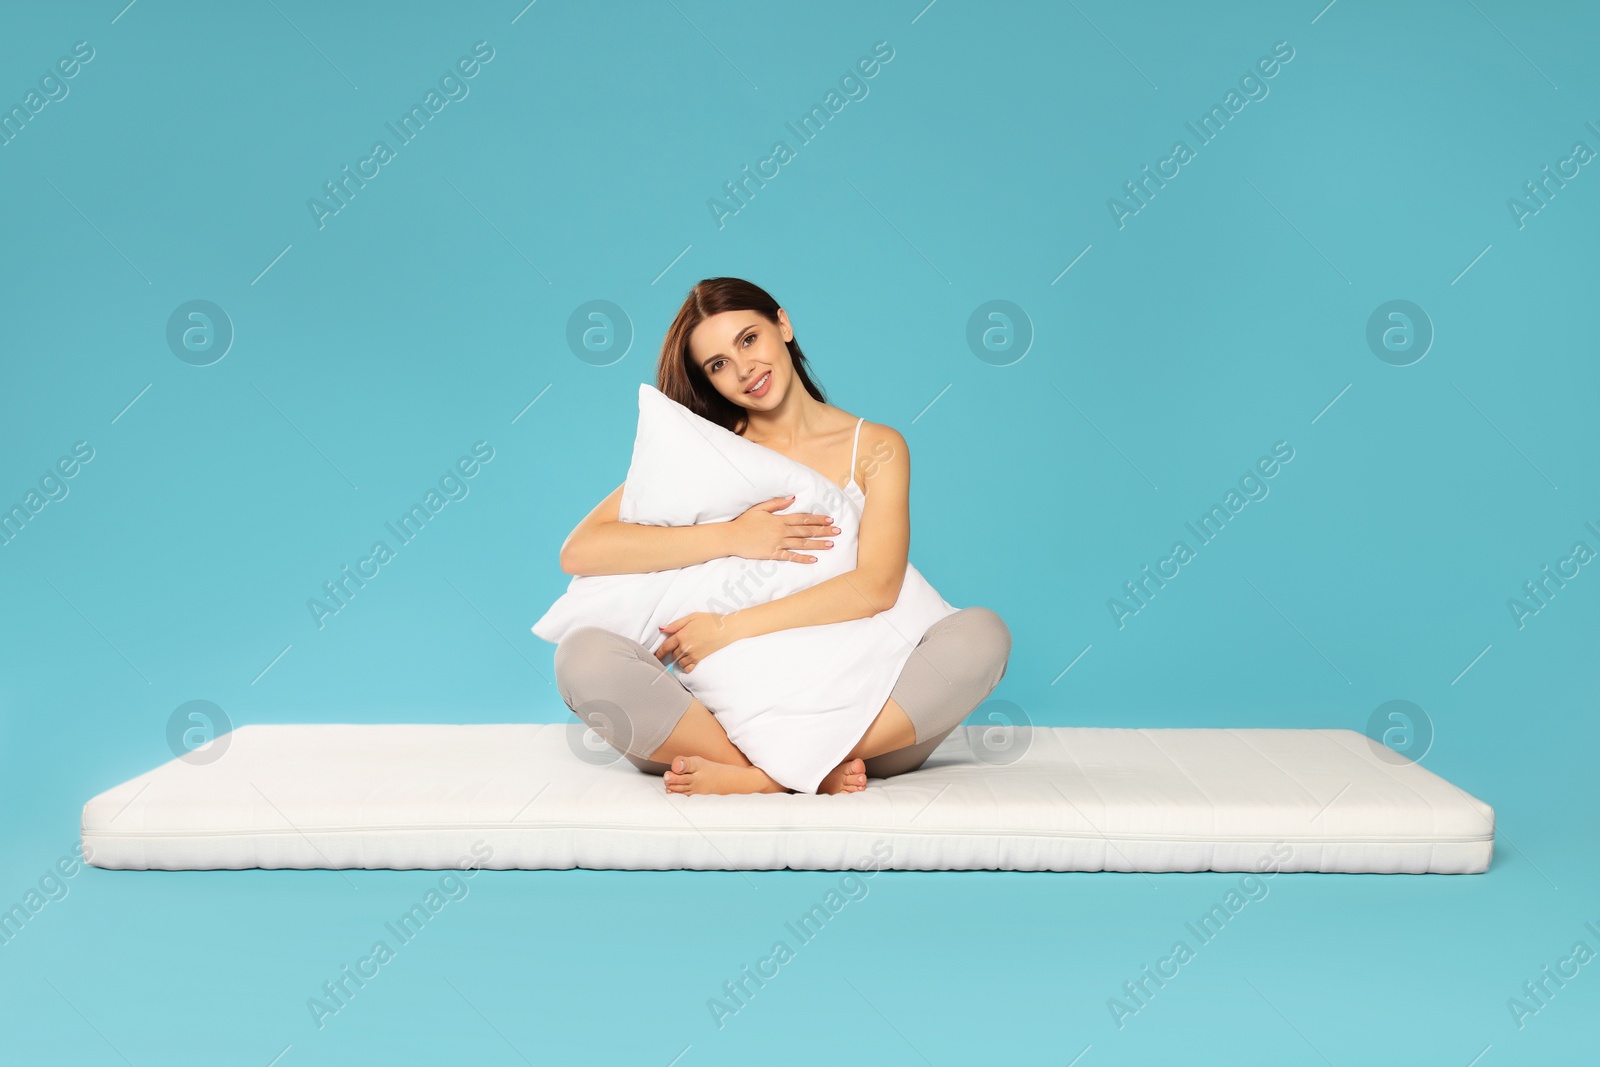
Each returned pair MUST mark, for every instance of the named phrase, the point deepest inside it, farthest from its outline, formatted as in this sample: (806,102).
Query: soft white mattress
(436,796)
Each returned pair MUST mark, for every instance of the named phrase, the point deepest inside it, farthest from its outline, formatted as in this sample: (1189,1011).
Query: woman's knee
(959,662)
(610,683)
(985,642)
(584,661)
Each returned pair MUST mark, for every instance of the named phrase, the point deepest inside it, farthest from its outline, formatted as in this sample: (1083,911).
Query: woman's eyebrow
(742,331)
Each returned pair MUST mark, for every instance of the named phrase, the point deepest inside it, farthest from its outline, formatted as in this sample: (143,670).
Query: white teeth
(759,381)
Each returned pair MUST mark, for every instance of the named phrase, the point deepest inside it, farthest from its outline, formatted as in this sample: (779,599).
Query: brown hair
(678,377)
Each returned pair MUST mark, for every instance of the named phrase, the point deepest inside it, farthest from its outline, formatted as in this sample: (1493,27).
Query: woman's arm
(601,544)
(881,554)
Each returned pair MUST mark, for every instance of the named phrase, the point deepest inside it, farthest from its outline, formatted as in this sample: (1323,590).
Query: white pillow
(794,701)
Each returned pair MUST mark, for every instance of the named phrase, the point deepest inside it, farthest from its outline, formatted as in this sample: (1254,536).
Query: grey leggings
(620,690)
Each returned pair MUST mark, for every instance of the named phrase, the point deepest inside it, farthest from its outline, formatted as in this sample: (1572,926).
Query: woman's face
(739,351)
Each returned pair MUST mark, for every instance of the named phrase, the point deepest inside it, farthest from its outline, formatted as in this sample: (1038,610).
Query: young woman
(731,357)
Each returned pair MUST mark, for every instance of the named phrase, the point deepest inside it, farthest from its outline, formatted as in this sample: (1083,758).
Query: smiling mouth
(761,381)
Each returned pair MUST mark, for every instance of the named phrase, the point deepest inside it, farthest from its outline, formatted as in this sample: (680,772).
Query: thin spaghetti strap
(853,449)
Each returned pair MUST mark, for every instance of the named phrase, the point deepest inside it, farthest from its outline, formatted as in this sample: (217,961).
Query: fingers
(797,546)
(670,650)
(810,525)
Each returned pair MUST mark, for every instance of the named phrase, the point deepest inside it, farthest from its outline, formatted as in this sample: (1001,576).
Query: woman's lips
(765,384)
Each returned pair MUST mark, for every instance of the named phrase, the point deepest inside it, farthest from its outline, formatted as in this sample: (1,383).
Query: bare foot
(849,777)
(696,774)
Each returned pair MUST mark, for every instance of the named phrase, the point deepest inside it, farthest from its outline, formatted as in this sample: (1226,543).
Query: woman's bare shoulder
(881,445)
(873,432)
(847,421)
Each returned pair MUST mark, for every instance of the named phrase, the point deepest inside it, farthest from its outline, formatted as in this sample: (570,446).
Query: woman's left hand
(696,636)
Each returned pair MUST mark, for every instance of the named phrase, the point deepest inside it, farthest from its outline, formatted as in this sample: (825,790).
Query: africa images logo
(1253,84)
(452,84)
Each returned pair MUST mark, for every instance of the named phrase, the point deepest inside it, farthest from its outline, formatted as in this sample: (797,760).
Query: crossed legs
(619,689)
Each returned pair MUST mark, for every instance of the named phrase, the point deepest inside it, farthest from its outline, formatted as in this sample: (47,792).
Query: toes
(851,782)
(682,778)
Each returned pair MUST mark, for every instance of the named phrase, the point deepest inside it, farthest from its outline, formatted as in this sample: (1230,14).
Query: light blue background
(428,313)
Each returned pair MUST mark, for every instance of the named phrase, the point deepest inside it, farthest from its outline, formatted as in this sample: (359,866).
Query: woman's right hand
(760,534)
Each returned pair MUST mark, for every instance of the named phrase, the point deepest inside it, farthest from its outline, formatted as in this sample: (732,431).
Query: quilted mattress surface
(522,796)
